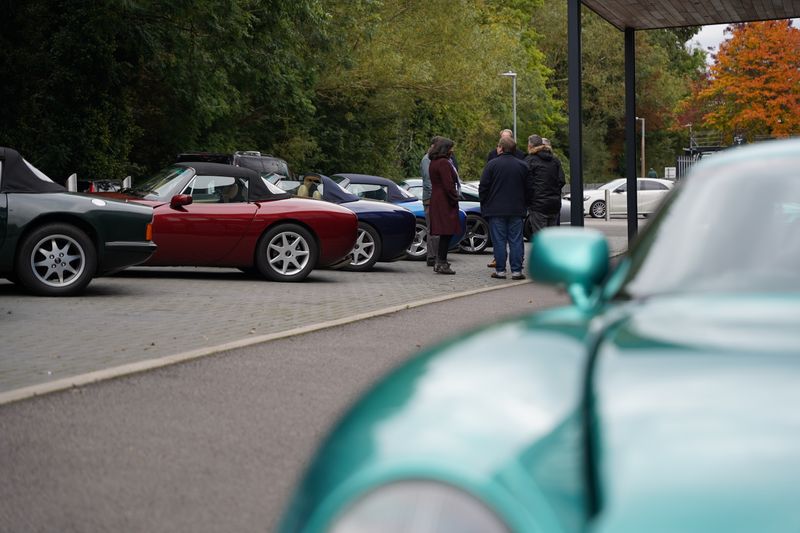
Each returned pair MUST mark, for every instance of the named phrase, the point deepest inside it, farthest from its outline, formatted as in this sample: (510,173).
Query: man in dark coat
(548,180)
(505,192)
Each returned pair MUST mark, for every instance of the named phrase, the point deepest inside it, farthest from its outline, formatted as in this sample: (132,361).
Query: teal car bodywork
(664,399)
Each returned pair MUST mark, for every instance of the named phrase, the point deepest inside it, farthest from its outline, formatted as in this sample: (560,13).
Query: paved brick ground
(147,313)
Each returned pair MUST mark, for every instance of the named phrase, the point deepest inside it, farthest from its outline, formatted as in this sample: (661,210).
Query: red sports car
(208,214)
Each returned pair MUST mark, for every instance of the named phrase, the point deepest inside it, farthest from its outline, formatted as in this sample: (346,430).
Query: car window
(647,185)
(161,183)
(622,188)
(695,244)
(365,190)
(416,190)
(217,190)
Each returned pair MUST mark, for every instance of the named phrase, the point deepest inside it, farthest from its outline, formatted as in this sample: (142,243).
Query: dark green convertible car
(665,399)
(53,242)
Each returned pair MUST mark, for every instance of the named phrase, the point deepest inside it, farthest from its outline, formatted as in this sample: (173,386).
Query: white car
(649,193)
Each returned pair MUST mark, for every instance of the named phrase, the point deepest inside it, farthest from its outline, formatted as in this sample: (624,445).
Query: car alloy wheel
(56,260)
(476,238)
(367,249)
(598,209)
(287,252)
(418,249)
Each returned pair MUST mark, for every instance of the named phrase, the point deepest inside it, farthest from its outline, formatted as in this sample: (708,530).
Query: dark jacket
(519,154)
(547,178)
(443,209)
(505,189)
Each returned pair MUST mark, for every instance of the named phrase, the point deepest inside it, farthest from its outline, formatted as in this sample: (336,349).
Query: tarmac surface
(217,442)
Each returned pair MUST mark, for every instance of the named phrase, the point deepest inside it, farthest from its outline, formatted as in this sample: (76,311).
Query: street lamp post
(513,76)
(643,159)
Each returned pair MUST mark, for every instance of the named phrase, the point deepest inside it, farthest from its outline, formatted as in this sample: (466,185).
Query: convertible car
(663,399)
(212,214)
(53,242)
(385,190)
(385,231)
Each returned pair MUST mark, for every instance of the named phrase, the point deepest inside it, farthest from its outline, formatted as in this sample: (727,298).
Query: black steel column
(630,131)
(575,108)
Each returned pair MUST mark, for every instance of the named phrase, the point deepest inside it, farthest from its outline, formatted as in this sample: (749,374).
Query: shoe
(443,268)
(499,275)
(493,264)
(516,276)
(431,262)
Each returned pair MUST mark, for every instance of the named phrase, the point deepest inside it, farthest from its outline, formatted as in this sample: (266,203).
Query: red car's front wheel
(287,252)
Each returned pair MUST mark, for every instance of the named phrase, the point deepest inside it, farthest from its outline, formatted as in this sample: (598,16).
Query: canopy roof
(652,14)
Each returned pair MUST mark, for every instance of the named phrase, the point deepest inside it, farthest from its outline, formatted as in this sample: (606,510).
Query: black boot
(443,268)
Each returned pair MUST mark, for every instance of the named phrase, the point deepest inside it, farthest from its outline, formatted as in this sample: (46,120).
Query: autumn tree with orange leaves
(753,88)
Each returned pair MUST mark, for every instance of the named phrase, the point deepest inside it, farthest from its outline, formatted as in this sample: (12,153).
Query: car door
(650,194)
(619,199)
(204,232)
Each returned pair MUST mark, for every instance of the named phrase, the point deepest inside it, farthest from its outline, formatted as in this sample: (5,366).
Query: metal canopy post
(575,107)
(630,132)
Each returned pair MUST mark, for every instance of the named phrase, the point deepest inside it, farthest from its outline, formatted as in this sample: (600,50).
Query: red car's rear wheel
(287,252)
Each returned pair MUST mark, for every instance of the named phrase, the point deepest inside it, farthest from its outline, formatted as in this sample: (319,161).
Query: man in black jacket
(548,180)
(505,192)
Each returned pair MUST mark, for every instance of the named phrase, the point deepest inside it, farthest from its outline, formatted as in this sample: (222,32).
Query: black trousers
(444,246)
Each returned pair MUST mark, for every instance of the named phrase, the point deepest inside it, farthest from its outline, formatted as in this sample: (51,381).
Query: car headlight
(421,507)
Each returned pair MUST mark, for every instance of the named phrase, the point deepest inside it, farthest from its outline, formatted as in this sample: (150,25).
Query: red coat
(443,208)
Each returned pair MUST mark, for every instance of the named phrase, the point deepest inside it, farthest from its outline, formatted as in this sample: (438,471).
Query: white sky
(711,36)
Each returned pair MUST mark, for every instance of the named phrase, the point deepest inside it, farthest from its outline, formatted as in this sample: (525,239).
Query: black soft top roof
(257,189)
(20,176)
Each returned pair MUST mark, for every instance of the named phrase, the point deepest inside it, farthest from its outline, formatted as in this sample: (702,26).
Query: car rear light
(148,233)
(91,187)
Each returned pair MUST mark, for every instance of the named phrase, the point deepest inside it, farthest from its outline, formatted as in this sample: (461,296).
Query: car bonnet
(696,403)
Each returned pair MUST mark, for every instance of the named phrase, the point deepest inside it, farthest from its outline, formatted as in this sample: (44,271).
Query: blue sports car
(385,190)
(664,399)
(385,231)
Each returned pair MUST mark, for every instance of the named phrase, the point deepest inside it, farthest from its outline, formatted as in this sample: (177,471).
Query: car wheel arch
(59,218)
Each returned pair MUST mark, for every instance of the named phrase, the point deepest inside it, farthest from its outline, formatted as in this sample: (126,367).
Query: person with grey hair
(547,177)
(505,192)
(508,134)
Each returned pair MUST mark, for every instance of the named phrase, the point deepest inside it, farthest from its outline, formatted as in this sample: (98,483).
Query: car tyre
(476,240)
(367,249)
(598,209)
(286,252)
(56,260)
(418,250)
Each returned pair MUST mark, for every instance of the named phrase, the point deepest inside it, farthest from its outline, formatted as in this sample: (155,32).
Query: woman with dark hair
(444,201)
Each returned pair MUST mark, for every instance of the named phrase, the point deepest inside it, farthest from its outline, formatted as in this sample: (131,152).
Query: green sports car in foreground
(665,399)
(53,242)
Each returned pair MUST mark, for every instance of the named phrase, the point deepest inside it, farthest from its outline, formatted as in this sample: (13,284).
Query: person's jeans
(507,232)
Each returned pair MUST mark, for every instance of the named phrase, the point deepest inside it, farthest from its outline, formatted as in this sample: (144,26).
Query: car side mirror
(179,200)
(575,257)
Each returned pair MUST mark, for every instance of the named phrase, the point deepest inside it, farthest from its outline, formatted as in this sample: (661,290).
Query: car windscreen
(733,228)
(160,185)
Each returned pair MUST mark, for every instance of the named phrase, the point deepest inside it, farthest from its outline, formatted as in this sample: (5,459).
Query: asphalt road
(217,443)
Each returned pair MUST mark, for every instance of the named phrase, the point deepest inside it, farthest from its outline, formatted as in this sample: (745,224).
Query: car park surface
(662,399)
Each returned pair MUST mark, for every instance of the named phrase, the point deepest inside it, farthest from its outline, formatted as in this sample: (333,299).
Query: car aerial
(385,231)
(53,242)
(662,399)
(650,192)
(219,215)
(385,190)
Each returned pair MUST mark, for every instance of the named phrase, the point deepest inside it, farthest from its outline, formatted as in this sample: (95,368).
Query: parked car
(53,242)
(663,399)
(385,231)
(385,190)
(476,237)
(650,192)
(267,165)
(211,214)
